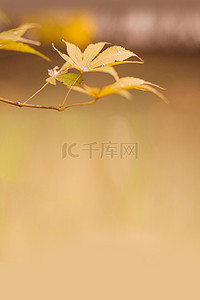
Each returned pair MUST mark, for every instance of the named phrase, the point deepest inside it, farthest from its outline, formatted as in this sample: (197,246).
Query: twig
(20,104)
(71,87)
(78,104)
(58,108)
(36,92)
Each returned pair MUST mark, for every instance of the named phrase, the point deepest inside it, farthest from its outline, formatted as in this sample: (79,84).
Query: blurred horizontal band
(153,29)
(168,29)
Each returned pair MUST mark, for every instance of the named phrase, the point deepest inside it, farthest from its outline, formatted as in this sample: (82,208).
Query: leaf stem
(71,87)
(78,104)
(36,92)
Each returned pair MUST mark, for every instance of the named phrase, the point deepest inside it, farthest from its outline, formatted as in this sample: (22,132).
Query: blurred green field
(151,204)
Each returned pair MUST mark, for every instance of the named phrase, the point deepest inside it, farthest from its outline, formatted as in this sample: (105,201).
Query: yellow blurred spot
(75,27)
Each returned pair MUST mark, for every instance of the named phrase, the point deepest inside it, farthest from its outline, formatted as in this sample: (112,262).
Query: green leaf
(63,76)
(69,79)
(15,46)
(51,80)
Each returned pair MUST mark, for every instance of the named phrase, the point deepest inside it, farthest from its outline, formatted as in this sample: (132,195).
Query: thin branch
(78,104)
(71,87)
(36,92)
(19,104)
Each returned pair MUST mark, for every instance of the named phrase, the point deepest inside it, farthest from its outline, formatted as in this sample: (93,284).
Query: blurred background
(136,220)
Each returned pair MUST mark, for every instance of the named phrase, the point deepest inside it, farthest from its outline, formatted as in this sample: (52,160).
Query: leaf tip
(166,100)
(54,47)
(37,43)
(48,59)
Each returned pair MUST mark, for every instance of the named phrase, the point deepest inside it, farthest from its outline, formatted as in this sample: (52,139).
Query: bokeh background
(134,222)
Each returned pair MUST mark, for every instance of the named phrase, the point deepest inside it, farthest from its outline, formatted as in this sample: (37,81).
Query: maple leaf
(13,40)
(120,87)
(91,60)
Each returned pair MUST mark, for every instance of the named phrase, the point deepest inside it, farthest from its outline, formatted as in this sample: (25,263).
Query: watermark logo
(102,150)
